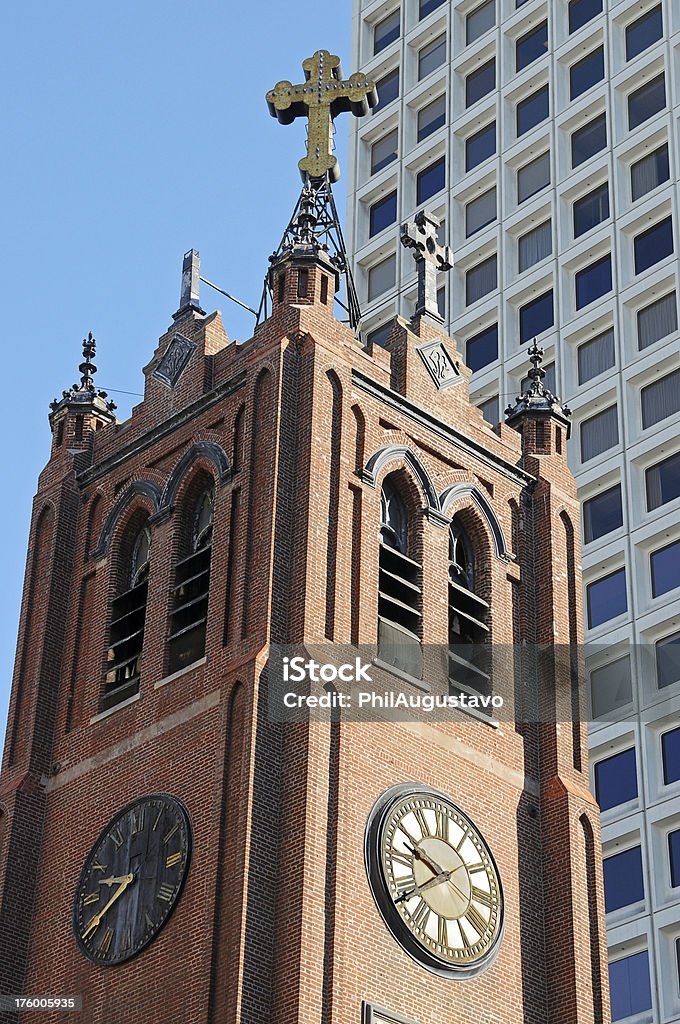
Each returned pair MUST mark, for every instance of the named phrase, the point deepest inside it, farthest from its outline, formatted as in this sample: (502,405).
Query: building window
(623,882)
(480,21)
(599,433)
(480,146)
(431,57)
(431,180)
(388,89)
(426,7)
(581,12)
(591,210)
(384,151)
(607,598)
(441,301)
(646,101)
(662,482)
(548,380)
(653,245)
(602,514)
(537,316)
(665,566)
(386,31)
(531,46)
(379,335)
(532,110)
(650,172)
(667,652)
(468,615)
(382,214)
(586,73)
(128,618)
(670,756)
(674,857)
(481,280)
(611,687)
(593,282)
(480,211)
(596,356)
(189,616)
(660,399)
(431,117)
(480,82)
(382,277)
(482,349)
(657,321)
(533,177)
(399,593)
(490,410)
(642,33)
(534,246)
(616,779)
(588,140)
(629,986)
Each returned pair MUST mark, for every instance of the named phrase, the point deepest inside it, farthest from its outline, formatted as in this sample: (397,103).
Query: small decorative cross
(323,95)
(420,234)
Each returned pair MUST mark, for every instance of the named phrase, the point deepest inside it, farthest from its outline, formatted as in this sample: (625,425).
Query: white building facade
(544,135)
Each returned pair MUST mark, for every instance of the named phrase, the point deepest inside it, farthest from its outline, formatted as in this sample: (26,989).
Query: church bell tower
(188,835)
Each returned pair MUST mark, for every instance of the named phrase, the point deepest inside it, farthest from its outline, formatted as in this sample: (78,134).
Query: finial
(87,367)
(191,284)
(420,235)
(537,397)
(320,98)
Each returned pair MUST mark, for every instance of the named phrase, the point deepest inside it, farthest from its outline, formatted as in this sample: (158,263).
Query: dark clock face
(132,879)
(434,880)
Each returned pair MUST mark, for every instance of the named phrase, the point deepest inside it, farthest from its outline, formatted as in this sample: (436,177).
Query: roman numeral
(473,868)
(105,945)
(168,835)
(149,922)
(118,838)
(172,859)
(127,941)
(466,942)
(91,897)
(443,932)
(480,896)
(421,915)
(166,892)
(422,822)
(397,857)
(136,820)
(404,884)
(476,919)
(462,840)
(99,867)
(158,818)
(442,824)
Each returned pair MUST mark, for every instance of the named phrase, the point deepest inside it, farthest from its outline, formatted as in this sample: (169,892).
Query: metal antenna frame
(315,221)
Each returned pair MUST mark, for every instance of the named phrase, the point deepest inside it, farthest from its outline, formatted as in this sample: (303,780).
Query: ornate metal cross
(323,95)
(420,234)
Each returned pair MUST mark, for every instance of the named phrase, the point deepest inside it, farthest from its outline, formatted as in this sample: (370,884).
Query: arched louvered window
(399,593)
(128,615)
(468,618)
(192,585)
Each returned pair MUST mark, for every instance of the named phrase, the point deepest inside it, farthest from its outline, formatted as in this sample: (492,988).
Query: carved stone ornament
(439,364)
(175,359)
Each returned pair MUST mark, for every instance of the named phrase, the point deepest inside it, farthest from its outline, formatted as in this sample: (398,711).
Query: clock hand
(426,859)
(94,923)
(114,880)
(418,889)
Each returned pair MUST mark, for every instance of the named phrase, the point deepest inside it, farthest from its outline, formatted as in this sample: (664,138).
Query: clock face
(434,880)
(132,879)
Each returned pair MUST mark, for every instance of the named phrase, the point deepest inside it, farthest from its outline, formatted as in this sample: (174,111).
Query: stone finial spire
(189,298)
(538,399)
(84,397)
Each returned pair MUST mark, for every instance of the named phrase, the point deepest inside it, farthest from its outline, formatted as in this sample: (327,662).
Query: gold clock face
(434,880)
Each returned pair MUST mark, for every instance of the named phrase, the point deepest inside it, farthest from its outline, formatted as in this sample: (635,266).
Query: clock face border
(375,825)
(180,809)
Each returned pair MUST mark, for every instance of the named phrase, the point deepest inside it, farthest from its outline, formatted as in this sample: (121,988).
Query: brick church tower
(169,850)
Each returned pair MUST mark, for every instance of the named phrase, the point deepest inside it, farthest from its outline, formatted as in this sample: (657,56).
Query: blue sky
(133,132)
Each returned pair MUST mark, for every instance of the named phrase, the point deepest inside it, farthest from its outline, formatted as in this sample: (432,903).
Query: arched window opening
(128,615)
(468,618)
(192,584)
(399,592)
